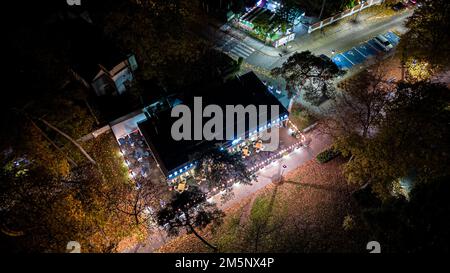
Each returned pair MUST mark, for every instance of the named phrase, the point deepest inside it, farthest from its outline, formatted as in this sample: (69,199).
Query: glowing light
(236,141)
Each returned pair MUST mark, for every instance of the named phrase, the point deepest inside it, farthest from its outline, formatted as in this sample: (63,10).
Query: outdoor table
(181,186)
(245,151)
(258,145)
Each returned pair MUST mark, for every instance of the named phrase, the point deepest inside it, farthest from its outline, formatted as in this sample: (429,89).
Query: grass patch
(301,117)
(303,214)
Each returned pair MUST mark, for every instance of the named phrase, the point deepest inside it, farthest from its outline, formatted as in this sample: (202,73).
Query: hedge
(327,155)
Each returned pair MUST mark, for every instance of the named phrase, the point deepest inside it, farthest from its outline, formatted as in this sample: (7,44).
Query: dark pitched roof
(172,154)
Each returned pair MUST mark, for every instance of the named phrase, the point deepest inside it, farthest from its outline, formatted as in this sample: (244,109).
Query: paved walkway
(274,171)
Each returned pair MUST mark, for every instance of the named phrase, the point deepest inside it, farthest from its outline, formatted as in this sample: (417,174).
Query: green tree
(157,32)
(221,170)
(413,136)
(289,11)
(428,36)
(189,210)
(238,6)
(262,26)
(416,226)
(358,109)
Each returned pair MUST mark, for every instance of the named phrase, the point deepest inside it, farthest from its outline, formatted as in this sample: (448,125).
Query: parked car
(399,6)
(325,57)
(383,42)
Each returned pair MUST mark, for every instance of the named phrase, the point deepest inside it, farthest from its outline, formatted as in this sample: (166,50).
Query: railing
(343,14)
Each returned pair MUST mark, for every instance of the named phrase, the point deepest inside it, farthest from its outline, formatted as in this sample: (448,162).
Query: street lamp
(282,171)
(361,3)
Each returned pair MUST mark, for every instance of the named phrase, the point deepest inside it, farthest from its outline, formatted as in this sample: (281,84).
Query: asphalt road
(345,38)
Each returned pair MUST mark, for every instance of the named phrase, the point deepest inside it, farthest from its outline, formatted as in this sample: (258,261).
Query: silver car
(383,42)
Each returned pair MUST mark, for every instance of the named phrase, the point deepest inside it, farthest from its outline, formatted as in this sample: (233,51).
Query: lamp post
(321,10)
(282,171)
(361,2)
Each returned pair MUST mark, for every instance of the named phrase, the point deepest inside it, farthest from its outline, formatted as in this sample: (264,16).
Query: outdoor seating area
(137,155)
(183,182)
(255,157)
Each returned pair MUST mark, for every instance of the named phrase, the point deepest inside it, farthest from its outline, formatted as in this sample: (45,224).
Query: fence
(343,14)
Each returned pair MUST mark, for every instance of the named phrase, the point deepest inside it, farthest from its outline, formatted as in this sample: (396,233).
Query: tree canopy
(412,137)
(189,210)
(157,32)
(42,210)
(220,170)
(309,73)
(416,225)
(359,108)
(428,38)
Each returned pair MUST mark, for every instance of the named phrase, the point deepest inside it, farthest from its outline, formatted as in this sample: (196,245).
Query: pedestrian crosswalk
(241,50)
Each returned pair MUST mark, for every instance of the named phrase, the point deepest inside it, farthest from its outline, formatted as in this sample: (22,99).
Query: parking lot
(363,51)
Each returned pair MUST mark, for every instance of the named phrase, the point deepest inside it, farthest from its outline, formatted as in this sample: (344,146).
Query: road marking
(347,59)
(373,47)
(360,52)
(242,50)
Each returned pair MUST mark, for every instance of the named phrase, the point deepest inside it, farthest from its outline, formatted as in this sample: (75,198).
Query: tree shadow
(313,186)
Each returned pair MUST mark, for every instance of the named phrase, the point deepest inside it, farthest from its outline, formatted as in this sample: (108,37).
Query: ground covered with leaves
(310,211)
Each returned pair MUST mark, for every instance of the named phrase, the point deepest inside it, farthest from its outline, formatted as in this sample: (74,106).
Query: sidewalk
(365,20)
(275,171)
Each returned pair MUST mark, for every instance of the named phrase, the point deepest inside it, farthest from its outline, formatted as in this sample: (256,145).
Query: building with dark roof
(176,157)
